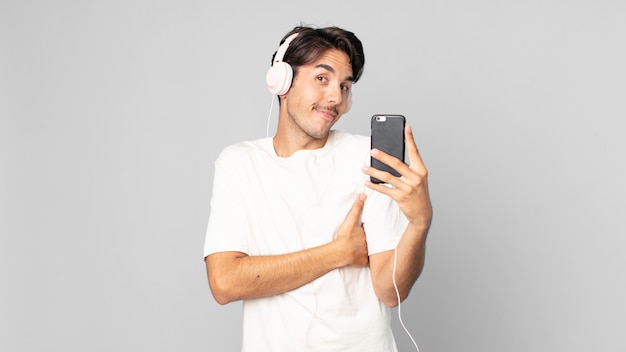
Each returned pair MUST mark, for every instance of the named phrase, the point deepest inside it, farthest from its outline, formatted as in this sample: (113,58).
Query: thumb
(354,216)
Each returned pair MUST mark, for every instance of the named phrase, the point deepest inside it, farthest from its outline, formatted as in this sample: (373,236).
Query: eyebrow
(332,70)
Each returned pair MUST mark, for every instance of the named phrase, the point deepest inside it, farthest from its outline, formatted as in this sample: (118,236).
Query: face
(319,93)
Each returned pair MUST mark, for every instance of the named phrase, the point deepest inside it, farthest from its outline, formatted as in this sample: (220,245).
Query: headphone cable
(393,277)
(269,117)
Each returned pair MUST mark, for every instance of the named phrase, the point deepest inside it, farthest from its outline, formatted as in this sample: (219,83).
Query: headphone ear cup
(279,78)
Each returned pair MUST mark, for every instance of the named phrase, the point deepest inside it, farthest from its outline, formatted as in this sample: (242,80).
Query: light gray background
(112,114)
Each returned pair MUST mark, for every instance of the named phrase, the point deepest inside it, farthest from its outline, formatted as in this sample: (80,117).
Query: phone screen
(387,134)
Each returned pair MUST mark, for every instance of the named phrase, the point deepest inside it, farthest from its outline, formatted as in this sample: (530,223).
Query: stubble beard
(302,126)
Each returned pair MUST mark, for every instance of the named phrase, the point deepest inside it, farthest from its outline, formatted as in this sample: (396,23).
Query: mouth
(327,113)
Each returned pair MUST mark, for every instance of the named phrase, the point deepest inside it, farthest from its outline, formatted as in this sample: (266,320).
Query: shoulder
(350,140)
(245,148)
(349,149)
(242,153)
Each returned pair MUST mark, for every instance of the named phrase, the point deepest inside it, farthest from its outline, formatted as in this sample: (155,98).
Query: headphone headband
(280,54)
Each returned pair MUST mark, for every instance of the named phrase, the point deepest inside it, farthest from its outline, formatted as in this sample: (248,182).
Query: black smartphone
(387,134)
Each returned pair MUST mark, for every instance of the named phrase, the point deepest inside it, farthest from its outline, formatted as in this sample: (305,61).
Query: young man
(296,229)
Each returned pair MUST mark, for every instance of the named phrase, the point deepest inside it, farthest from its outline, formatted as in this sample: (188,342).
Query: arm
(410,191)
(234,275)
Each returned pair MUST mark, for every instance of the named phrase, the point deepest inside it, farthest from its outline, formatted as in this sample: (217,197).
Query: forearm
(409,262)
(235,276)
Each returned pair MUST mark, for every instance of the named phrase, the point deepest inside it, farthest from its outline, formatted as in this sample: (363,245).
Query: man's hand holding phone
(410,189)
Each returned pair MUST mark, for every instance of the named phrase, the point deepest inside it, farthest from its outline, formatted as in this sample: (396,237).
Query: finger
(357,208)
(388,159)
(415,159)
(385,188)
(383,176)
(391,161)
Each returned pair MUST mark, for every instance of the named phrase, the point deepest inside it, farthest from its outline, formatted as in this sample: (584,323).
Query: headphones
(280,75)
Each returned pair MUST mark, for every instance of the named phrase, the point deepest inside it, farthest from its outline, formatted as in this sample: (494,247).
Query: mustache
(331,108)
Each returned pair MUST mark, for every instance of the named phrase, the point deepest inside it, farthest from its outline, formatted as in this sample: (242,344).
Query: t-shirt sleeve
(226,229)
(383,221)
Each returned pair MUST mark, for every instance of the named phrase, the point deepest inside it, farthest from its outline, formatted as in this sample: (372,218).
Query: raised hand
(410,190)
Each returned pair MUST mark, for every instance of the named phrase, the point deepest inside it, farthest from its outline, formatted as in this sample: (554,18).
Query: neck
(288,142)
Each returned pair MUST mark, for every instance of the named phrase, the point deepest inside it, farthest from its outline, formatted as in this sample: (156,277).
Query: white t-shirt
(263,204)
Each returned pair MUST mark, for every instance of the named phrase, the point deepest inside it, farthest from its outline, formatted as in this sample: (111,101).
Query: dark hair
(312,43)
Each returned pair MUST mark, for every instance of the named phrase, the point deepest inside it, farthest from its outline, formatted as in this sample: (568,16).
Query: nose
(335,95)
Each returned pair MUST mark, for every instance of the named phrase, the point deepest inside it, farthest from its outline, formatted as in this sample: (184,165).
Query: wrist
(339,253)
(419,228)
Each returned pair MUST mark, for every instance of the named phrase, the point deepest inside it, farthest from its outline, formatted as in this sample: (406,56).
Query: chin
(321,134)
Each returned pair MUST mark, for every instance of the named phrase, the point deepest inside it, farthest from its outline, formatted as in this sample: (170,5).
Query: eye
(321,79)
